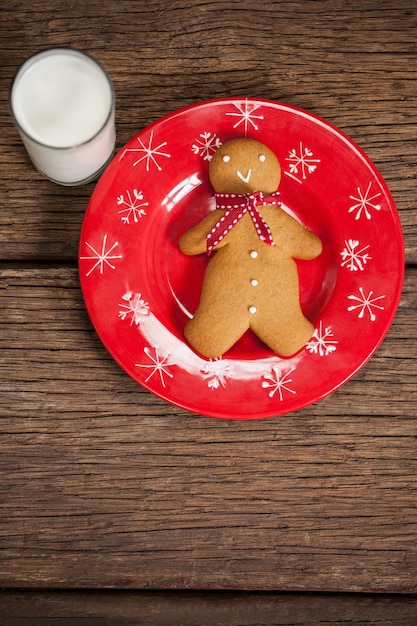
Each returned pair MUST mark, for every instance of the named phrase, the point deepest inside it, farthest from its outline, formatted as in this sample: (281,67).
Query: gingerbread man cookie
(251,281)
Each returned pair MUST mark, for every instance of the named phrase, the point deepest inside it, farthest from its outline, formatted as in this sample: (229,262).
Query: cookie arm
(193,241)
(294,238)
(305,244)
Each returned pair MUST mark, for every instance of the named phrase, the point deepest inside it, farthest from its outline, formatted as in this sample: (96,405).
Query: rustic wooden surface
(102,485)
(125,608)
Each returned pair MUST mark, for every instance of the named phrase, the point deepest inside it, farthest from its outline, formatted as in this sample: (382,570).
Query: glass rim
(24,66)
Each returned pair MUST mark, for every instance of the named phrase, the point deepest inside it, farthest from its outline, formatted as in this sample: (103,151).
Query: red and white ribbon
(235,206)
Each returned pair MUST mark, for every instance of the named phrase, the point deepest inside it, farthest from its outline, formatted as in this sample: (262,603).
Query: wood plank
(105,608)
(104,485)
(353,64)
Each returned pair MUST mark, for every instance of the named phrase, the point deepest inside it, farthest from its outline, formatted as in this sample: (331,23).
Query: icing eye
(226,158)
(262,158)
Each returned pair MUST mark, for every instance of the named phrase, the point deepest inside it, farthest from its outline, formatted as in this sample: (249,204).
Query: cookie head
(244,166)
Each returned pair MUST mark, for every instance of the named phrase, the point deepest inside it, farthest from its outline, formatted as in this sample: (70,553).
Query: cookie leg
(285,335)
(213,333)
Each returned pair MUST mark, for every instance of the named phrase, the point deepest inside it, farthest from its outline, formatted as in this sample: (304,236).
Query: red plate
(140,290)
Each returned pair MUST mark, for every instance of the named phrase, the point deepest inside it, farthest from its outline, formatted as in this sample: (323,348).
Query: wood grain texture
(110,608)
(353,63)
(104,485)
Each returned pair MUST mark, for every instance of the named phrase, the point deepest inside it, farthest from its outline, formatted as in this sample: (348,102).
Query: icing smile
(246,178)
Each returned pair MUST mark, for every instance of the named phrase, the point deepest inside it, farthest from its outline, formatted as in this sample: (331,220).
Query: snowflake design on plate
(301,163)
(150,153)
(135,309)
(134,207)
(245,115)
(366,304)
(103,258)
(206,146)
(321,342)
(159,364)
(352,258)
(216,372)
(277,382)
(364,203)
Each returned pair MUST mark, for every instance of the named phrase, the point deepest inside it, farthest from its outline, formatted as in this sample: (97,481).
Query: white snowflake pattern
(103,257)
(134,207)
(135,309)
(278,382)
(206,146)
(216,372)
(366,304)
(245,114)
(321,343)
(364,202)
(159,364)
(352,258)
(149,153)
(301,163)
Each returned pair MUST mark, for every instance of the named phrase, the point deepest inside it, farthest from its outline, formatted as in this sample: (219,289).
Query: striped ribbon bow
(236,205)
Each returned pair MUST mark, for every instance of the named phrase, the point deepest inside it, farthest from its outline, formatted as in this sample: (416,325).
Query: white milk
(63,105)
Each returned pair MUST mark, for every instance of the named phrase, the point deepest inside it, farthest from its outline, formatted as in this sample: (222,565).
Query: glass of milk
(63,105)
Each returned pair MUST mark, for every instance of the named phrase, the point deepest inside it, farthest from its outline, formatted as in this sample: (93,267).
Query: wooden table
(167,516)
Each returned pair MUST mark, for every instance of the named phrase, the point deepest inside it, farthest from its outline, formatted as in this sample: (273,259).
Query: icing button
(252,309)
(253,254)
(254,282)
